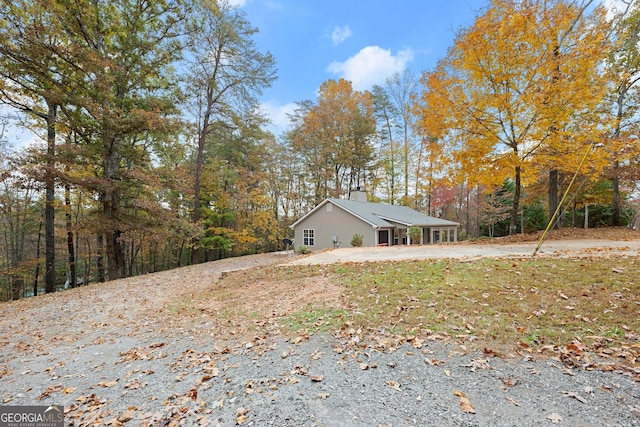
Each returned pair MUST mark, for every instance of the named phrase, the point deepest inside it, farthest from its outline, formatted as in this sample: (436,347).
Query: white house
(334,222)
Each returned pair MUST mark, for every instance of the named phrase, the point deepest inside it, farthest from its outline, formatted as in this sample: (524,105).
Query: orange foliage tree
(333,137)
(516,90)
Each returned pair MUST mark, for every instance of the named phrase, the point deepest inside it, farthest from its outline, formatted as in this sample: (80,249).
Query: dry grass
(500,303)
(532,303)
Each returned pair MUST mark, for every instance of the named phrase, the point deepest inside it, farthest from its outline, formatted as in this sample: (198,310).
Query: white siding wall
(334,222)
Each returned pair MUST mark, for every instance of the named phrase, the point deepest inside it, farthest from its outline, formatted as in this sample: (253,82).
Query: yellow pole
(564,196)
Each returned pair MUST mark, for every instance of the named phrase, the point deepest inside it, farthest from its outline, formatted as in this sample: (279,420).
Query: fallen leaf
(211,369)
(509,381)
(317,354)
(108,384)
(323,395)
(394,385)
(465,404)
(299,339)
(555,418)
(51,389)
(134,384)
(489,352)
(299,370)
(69,390)
(317,378)
(433,362)
(575,396)
(513,401)
(478,364)
(126,415)
(192,394)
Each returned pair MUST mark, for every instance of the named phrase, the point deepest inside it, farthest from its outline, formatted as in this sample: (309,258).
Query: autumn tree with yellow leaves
(517,90)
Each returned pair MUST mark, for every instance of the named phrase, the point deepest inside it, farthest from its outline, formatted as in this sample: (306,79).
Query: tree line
(155,154)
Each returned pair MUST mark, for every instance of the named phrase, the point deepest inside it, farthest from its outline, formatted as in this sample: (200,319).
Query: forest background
(156,155)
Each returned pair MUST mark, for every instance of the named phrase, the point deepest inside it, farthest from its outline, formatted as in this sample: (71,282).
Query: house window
(308,237)
(329,207)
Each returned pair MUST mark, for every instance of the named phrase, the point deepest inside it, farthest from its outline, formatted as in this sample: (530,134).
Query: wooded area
(155,154)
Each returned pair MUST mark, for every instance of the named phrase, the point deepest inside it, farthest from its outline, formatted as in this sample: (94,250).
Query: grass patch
(488,302)
(534,303)
(314,319)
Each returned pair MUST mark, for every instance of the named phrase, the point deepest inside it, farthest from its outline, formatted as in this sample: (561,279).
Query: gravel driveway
(124,353)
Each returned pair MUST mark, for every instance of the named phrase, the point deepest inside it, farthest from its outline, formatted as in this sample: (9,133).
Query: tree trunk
(553,195)
(615,205)
(468,224)
(49,209)
(586,216)
(37,273)
(73,273)
(513,226)
(100,257)
(110,198)
(195,252)
(116,265)
(202,139)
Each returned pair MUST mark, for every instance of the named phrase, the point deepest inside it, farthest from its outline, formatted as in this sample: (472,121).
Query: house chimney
(358,195)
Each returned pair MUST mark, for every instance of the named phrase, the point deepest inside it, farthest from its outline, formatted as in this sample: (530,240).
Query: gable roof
(383,215)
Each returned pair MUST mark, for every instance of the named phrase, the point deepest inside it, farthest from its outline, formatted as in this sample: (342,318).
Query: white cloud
(278,115)
(340,34)
(614,7)
(237,3)
(372,65)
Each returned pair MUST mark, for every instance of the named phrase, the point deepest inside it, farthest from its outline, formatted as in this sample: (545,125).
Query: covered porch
(400,235)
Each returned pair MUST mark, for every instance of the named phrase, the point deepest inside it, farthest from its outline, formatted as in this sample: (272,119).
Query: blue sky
(364,41)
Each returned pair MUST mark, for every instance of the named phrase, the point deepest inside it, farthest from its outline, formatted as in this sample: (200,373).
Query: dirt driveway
(552,248)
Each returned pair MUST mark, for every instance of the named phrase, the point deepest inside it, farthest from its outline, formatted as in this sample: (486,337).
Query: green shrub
(415,233)
(356,240)
(303,250)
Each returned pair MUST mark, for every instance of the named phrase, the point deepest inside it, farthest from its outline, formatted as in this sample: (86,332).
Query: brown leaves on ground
(257,300)
(576,355)
(465,404)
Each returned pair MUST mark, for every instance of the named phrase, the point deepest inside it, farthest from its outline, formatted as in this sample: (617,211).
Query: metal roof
(383,215)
